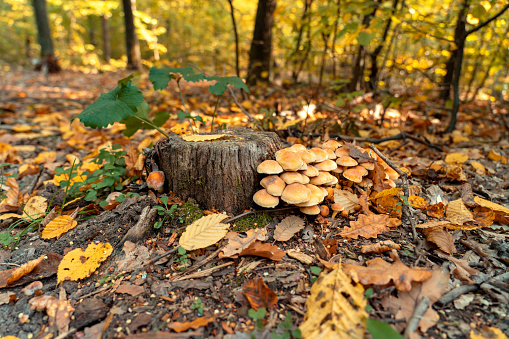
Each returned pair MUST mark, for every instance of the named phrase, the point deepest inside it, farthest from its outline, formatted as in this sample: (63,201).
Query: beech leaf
(79,263)
(204,232)
(288,227)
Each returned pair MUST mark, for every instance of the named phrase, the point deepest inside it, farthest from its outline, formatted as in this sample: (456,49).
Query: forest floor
(459,260)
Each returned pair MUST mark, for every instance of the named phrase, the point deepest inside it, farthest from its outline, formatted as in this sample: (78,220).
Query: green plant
(8,239)
(315,270)
(287,329)
(198,306)
(257,316)
(166,212)
(381,330)
(184,257)
(109,278)
(126,103)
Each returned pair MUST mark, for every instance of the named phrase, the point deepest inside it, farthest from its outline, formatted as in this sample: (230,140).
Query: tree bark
(131,40)
(106,38)
(48,61)
(260,54)
(219,173)
(236,35)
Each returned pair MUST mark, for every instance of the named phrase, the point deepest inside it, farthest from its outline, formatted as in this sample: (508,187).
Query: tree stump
(218,174)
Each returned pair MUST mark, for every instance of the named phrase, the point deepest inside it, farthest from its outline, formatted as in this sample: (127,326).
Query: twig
(159,257)
(199,264)
(65,334)
(204,273)
(404,177)
(416,317)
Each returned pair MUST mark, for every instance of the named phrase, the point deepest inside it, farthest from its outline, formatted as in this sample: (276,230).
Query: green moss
(257,220)
(188,213)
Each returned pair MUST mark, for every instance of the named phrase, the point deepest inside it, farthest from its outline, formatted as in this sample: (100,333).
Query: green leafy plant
(198,306)
(126,104)
(184,257)
(381,330)
(287,329)
(166,212)
(315,270)
(257,316)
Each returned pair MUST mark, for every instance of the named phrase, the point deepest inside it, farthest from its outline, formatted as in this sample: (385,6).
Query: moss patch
(187,213)
(257,220)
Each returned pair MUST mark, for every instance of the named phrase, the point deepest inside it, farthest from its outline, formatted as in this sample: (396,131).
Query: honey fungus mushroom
(264,199)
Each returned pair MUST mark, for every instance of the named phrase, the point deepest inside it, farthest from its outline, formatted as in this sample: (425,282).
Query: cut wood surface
(218,173)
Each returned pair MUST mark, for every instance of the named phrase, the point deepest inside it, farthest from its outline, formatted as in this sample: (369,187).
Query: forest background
(396,47)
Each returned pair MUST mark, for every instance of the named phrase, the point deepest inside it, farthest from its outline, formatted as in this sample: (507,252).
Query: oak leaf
(441,238)
(79,264)
(288,227)
(457,213)
(380,272)
(259,294)
(335,308)
(58,226)
(196,323)
(204,232)
(237,244)
(367,226)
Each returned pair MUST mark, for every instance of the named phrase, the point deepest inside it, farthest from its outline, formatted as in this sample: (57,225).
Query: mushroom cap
(324,190)
(291,177)
(355,174)
(393,175)
(311,210)
(346,160)
(311,171)
(382,163)
(307,156)
(305,179)
(342,151)
(326,165)
(311,202)
(366,183)
(331,144)
(337,207)
(283,150)
(296,193)
(273,184)
(315,192)
(155,181)
(331,155)
(269,167)
(368,165)
(303,167)
(264,199)
(297,147)
(290,161)
(321,154)
(338,170)
(324,210)
(332,181)
(389,182)
(321,179)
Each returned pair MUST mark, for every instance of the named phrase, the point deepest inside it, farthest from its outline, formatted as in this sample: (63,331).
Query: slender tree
(106,38)
(260,55)
(236,35)
(48,60)
(131,40)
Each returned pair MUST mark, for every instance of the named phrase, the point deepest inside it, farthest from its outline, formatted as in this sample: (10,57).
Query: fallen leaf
(389,204)
(35,207)
(483,216)
(288,227)
(265,250)
(132,290)
(495,207)
(441,238)
(302,257)
(367,226)
(479,168)
(418,202)
(9,276)
(463,271)
(58,226)
(457,213)
(5,298)
(79,264)
(10,203)
(335,308)
(237,244)
(197,323)
(259,294)
(346,199)
(436,210)
(204,232)
(380,247)
(456,158)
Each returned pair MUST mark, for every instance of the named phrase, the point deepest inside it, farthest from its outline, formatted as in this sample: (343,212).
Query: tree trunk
(261,47)
(48,63)
(334,35)
(131,40)
(106,38)
(236,35)
(219,173)
(298,66)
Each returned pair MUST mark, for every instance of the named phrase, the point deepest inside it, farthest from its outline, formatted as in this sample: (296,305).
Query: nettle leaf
(133,123)
(220,86)
(115,105)
(160,77)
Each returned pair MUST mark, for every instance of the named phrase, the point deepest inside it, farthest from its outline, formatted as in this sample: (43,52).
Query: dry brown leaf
(389,204)
(264,250)
(5,298)
(436,210)
(259,294)
(197,323)
(236,244)
(10,204)
(58,226)
(463,271)
(433,224)
(457,213)
(288,227)
(335,308)
(346,199)
(49,217)
(455,172)
(28,169)
(483,216)
(10,276)
(418,202)
(367,226)
(441,238)
(79,264)
(380,247)
(132,290)
(404,304)
(204,232)
(456,158)
(302,257)
(380,272)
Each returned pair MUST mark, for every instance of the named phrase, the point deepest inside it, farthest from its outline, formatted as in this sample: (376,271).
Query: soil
(135,298)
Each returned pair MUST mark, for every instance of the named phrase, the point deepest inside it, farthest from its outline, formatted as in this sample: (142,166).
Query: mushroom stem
(334,214)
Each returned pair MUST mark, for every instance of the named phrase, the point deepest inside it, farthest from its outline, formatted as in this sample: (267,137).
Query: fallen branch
(404,177)
(415,319)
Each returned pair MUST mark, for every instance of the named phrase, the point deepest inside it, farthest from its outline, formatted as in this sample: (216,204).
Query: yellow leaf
(418,202)
(206,137)
(459,158)
(21,128)
(10,215)
(492,205)
(493,155)
(35,207)
(479,168)
(45,157)
(79,264)
(180,129)
(204,232)
(457,138)
(58,226)
(335,308)
(389,193)
(457,213)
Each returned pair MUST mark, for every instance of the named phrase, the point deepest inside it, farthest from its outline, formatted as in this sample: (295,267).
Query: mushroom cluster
(304,177)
